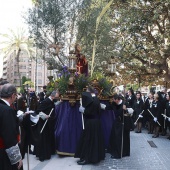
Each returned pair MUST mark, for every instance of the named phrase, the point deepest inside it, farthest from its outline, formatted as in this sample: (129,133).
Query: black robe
(148,106)
(115,143)
(42,96)
(91,144)
(138,108)
(156,111)
(45,144)
(8,134)
(168,113)
(130,104)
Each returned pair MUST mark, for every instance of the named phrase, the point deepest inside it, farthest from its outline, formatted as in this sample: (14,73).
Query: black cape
(45,145)
(115,143)
(91,144)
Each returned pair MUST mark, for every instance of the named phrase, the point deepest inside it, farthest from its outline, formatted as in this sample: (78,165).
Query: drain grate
(152,144)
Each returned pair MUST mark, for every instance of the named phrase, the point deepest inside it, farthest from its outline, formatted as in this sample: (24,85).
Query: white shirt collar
(50,98)
(6,102)
(120,102)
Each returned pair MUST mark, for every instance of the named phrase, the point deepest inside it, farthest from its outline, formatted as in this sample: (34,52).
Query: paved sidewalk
(143,157)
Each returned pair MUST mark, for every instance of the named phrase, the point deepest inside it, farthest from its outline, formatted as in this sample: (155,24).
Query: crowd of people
(29,119)
(152,111)
(23,122)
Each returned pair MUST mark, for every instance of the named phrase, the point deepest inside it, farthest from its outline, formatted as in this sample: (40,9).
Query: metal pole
(122,135)
(164,119)
(28,166)
(37,76)
(46,121)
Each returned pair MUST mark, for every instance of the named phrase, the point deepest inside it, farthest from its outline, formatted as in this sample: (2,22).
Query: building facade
(36,72)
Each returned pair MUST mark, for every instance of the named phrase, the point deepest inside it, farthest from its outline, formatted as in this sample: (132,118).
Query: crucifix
(79,67)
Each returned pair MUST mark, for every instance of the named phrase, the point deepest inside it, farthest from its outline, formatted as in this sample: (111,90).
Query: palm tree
(14,43)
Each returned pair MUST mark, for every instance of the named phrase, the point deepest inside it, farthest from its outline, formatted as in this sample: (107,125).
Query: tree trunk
(17,58)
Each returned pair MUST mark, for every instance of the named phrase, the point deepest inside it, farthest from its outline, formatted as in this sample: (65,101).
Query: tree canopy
(143,28)
(51,22)
(14,43)
(133,33)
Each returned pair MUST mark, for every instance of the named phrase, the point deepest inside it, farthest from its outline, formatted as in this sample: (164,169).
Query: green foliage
(104,82)
(50,87)
(49,22)
(141,28)
(81,82)
(30,83)
(105,85)
(15,42)
(63,84)
(86,32)
(24,79)
(97,75)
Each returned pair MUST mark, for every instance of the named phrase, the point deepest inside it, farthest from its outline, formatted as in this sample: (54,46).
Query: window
(23,74)
(39,74)
(39,68)
(22,67)
(15,73)
(39,81)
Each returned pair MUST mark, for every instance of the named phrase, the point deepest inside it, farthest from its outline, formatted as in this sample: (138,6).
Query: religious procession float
(71,82)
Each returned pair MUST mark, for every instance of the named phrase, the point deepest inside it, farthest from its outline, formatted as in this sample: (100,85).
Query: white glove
(155,119)
(57,103)
(169,119)
(20,113)
(164,116)
(30,111)
(130,110)
(43,116)
(140,116)
(81,109)
(103,106)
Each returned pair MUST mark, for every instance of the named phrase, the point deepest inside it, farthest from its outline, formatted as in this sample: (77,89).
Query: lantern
(111,68)
(72,63)
(50,74)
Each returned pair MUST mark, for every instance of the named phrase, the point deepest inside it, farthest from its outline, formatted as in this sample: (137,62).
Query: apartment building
(27,67)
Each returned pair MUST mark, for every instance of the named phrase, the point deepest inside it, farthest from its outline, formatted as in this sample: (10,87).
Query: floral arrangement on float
(73,79)
(101,83)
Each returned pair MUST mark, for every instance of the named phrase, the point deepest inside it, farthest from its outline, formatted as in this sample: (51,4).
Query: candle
(72,64)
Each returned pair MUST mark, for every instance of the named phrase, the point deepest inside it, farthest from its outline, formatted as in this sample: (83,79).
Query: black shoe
(126,155)
(155,136)
(138,132)
(163,133)
(81,160)
(42,160)
(84,162)
(168,137)
(115,157)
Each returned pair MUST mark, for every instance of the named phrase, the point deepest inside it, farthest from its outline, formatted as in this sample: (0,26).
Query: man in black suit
(42,95)
(10,156)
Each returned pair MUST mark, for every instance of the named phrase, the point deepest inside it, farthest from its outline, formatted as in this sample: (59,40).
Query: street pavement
(143,157)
